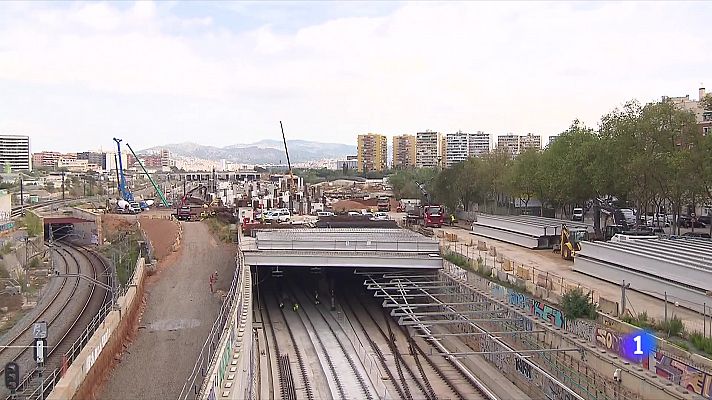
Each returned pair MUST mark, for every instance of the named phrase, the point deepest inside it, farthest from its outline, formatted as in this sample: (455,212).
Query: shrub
(673,327)
(577,304)
(702,343)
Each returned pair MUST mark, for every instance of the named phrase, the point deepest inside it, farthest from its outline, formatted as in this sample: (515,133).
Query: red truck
(432,216)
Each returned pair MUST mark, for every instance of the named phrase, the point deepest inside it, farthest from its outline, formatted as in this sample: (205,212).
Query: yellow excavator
(571,241)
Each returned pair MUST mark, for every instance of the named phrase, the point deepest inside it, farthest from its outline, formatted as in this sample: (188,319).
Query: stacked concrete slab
(680,267)
(524,230)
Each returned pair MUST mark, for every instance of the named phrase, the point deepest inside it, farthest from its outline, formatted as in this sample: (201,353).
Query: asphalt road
(180,310)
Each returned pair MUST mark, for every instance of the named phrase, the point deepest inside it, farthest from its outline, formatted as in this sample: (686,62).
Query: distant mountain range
(263,152)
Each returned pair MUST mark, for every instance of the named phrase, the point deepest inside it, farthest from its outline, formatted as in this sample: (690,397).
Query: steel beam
(518,352)
(436,335)
(399,305)
(342,259)
(426,313)
(446,322)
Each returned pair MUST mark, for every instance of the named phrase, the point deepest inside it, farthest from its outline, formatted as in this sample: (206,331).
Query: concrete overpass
(342,248)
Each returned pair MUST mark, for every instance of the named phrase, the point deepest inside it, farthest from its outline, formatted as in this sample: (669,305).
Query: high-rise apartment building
(403,151)
(15,152)
(552,139)
(515,144)
(461,145)
(372,152)
(509,142)
(428,149)
(529,141)
(165,158)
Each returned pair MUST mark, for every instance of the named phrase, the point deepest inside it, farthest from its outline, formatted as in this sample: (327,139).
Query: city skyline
(158,73)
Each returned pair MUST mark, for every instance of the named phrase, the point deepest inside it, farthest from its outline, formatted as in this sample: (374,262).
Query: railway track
(68,311)
(419,383)
(445,367)
(362,382)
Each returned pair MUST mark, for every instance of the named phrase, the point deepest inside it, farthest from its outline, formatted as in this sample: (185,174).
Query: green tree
(523,174)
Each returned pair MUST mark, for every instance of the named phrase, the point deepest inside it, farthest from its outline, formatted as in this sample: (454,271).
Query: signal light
(12,375)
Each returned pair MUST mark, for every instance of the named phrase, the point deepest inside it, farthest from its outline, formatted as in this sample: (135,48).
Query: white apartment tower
(509,142)
(15,153)
(460,146)
(529,141)
(428,149)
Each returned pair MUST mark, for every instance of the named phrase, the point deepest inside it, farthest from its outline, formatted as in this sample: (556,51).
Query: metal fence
(526,273)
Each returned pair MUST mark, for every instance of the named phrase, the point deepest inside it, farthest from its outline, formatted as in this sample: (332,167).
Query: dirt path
(179,313)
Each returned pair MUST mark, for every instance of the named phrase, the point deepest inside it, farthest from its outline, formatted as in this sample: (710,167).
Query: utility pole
(62,185)
(666,315)
(22,194)
(625,286)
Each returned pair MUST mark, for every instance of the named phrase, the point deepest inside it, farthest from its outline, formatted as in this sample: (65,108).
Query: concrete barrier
(86,371)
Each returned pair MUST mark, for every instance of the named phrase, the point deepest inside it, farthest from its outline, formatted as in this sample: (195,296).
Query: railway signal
(12,376)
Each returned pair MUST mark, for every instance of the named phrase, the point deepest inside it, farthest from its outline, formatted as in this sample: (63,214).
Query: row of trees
(644,156)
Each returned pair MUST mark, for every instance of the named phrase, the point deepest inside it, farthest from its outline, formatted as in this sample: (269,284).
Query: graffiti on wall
(582,328)
(517,299)
(608,339)
(524,368)
(684,375)
(547,313)
(556,392)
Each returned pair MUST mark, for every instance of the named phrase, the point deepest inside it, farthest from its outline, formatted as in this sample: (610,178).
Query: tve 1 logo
(638,345)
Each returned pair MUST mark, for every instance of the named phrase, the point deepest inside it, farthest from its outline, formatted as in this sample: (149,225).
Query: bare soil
(162,233)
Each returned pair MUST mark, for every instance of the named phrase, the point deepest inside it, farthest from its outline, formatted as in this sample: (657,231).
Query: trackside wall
(80,379)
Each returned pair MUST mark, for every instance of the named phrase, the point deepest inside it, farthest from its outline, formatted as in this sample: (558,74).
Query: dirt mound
(112,224)
(162,233)
(348,205)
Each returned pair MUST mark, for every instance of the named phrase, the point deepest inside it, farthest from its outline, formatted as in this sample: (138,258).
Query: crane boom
(290,185)
(155,186)
(125,192)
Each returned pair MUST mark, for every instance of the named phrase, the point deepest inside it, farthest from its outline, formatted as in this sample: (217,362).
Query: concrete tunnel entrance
(76,229)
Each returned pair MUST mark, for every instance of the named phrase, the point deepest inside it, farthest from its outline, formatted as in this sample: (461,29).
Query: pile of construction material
(524,230)
(679,268)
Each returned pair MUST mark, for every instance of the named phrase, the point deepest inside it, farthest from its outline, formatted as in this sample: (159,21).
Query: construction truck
(384,204)
(431,216)
(571,239)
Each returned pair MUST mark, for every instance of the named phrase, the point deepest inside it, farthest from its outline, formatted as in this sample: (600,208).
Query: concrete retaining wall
(97,356)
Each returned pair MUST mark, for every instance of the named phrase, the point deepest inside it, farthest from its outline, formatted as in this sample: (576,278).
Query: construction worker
(452,219)
(295,307)
(212,281)
(316,297)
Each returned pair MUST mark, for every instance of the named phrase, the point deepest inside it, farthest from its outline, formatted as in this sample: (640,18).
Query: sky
(73,75)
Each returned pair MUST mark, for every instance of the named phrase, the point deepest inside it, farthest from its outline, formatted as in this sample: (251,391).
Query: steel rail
(379,353)
(80,315)
(300,358)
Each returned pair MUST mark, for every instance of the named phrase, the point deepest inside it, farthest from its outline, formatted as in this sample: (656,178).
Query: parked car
(324,214)
(578,215)
(703,235)
(279,216)
(705,219)
(687,222)
(380,216)
(353,213)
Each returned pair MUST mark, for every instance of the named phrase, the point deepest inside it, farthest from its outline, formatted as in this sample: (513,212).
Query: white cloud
(496,67)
